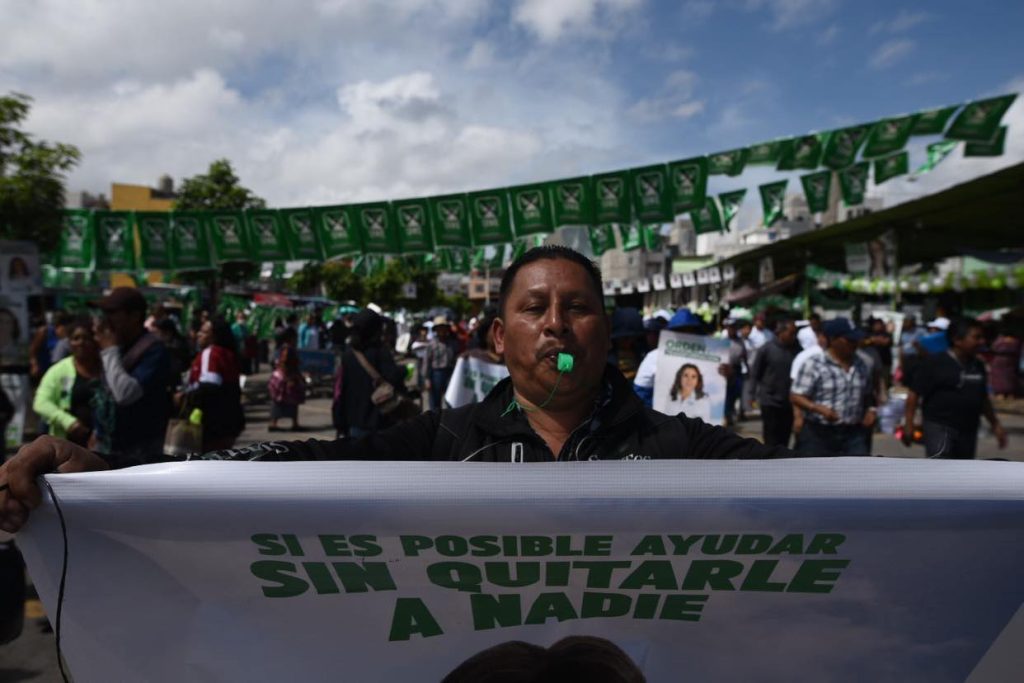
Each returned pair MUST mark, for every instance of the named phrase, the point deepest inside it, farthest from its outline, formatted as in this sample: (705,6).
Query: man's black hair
(551,252)
(959,327)
(781,321)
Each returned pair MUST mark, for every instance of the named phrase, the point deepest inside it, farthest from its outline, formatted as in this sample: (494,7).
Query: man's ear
(498,329)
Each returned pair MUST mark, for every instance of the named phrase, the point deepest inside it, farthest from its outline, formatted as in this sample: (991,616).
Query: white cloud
(828,36)
(891,52)
(674,99)
(904,21)
(550,19)
(788,14)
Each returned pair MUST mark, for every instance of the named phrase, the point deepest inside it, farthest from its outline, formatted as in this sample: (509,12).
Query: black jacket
(770,374)
(621,428)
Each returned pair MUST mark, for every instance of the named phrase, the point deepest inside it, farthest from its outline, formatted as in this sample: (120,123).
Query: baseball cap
(684,318)
(939,324)
(121,299)
(842,327)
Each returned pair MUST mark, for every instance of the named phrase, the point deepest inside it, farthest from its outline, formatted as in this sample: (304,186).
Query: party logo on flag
(727,163)
(816,190)
(228,228)
(888,136)
(842,146)
(933,122)
(688,180)
(773,196)
(266,229)
(853,182)
(731,202)
(609,192)
(154,233)
(706,218)
(571,196)
(451,215)
(530,203)
(374,222)
(803,152)
(488,210)
(891,166)
(765,152)
(979,120)
(412,220)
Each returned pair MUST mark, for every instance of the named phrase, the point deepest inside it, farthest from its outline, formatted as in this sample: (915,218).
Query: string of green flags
(458,232)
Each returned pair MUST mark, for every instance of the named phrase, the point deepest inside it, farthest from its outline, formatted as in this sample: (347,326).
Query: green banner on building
(707,218)
(602,238)
(300,233)
(572,201)
(266,236)
(979,120)
(449,216)
(817,187)
(338,234)
(154,231)
(767,152)
(731,202)
(612,198)
(373,220)
(933,121)
(115,241)
(992,148)
(891,166)
(853,181)
(412,220)
(773,197)
(889,135)
(531,209)
(729,163)
(652,197)
(689,183)
(228,236)
(842,146)
(631,236)
(804,153)
(77,240)
(489,217)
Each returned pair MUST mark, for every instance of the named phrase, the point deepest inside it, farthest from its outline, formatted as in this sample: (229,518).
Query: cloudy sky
(329,101)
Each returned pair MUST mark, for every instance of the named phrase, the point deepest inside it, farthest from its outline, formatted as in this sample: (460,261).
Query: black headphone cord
(63,580)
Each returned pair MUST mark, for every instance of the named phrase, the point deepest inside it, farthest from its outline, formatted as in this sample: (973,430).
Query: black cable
(63,580)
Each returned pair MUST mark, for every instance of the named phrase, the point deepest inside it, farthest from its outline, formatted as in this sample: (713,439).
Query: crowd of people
(112,381)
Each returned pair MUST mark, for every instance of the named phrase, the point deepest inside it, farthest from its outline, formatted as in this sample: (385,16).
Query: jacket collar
(616,404)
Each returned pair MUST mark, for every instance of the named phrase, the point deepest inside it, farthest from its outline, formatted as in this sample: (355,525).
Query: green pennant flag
(412,219)
(766,152)
(707,218)
(853,181)
(729,163)
(804,152)
(992,148)
(77,239)
(227,235)
(842,146)
(449,216)
(519,248)
(652,237)
(933,121)
(889,135)
(891,166)
(338,234)
(773,197)
(303,243)
(631,236)
(374,222)
(731,202)
(652,199)
(154,230)
(531,210)
(612,198)
(602,238)
(115,241)
(266,235)
(689,183)
(479,258)
(190,241)
(489,217)
(817,187)
(979,120)
(937,151)
(461,261)
(572,201)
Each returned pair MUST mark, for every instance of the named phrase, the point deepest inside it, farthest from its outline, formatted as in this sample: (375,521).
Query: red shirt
(214,365)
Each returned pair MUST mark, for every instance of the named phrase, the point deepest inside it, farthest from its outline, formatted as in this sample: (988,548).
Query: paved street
(31,658)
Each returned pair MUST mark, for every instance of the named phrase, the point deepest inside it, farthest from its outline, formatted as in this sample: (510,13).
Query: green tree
(218,188)
(32,174)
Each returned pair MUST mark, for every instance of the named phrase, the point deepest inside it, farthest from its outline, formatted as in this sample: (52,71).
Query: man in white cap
(439,361)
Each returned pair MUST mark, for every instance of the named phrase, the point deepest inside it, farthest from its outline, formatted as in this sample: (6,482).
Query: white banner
(687,379)
(472,379)
(842,569)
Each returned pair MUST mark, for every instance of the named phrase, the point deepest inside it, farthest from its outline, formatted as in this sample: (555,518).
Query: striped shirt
(823,380)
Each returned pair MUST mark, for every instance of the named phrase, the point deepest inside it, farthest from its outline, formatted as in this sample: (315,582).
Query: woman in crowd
(64,393)
(287,387)
(213,386)
(687,394)
(364,365)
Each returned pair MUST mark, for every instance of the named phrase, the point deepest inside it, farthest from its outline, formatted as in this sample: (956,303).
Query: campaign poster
(472,379)
(687,380)
(20,277)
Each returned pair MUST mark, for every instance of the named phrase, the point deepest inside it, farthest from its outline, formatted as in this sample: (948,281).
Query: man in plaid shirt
(834,390)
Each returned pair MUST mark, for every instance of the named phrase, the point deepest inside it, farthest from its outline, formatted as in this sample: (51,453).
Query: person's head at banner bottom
(576,658)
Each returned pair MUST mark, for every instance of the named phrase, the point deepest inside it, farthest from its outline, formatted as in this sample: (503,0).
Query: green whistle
(564,362)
